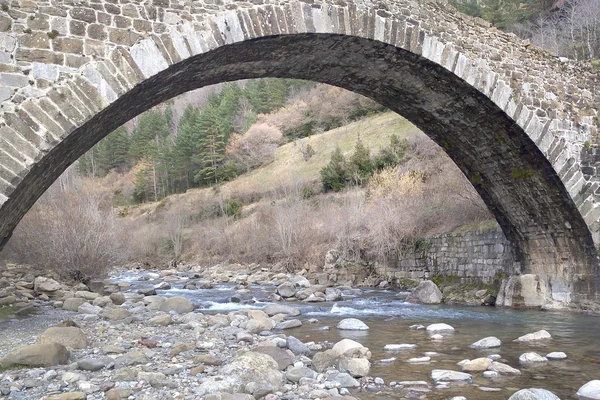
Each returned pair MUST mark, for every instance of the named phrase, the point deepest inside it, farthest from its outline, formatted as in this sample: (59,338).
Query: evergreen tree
(185,148)
(228,103)
(112,152)
(360,166)
(211,147)
(334,174)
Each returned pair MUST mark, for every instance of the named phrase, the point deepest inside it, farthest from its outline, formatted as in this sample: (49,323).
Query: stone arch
(513,118)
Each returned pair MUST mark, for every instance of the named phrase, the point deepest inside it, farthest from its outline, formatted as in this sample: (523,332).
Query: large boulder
(533,394)
(535,336)
(251,372)
(503,369)
(70,337)
(426,293)
(87,308)
(476,365)
(530,358)
(281,356)
(177,304)
(445,375)
(357,367)
(589,391)
(73,303)
(350,348)
(523,291)
(286,290)
(37,355)
(325,360)
(486,343)
(437,328)
(352,324)
(274,309)
(45,285)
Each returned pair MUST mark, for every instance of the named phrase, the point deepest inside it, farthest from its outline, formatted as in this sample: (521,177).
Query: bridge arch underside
(513,177)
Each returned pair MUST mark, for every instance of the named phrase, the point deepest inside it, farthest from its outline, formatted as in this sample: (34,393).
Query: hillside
(288,167)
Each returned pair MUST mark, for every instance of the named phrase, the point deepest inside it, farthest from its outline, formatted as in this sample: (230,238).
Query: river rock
(426,292)
(357,367)
(297,373)
(343,379)
(590,391)
(523,291)
(556,355)
(70,337)
(490,374)
(37,355)
(87,308)
(530,358)
(252,372)
(102,301)
(87,295)
(533,394)
(445,375)
(351,348)
(399,347)
(281,356)
(161,320)
(178,304)
(325,360)
(147,291)
(117,313)
(274,309)
(352,324)
(437,328)
(530,337)
(292,323)
(476,365)
(45,285)
(286,290)
(90,364)
(486,343)
(163,286)
(503,369)
(73,303)
(416,360)
(297,347)
(118,298)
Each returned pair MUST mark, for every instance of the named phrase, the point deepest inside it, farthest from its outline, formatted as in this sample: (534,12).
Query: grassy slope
(288,166)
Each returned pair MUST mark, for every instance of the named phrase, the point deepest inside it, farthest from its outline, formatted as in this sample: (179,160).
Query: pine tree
(185,148)
(360,166)
(211,147)
(334,174)
(112,152)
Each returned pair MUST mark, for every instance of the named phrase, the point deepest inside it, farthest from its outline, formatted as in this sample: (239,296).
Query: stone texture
(426,293)
(352,324)
(70,337)
(590,391)
(177,304)
(486,343)
(37,355)
(533,394)
(500,95)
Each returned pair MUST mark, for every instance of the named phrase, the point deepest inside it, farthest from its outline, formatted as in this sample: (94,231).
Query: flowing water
(389,318)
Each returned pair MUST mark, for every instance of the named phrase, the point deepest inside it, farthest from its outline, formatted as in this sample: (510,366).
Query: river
(389,319)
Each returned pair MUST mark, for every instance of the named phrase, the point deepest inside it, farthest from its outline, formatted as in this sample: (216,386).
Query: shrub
(233,208)
(70,230)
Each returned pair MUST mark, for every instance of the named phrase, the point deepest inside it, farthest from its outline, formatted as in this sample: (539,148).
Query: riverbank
(166,341)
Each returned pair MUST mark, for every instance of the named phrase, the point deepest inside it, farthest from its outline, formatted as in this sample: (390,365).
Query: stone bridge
(516,120)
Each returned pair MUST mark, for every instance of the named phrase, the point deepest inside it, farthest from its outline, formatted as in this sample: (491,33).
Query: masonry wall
(475,256)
